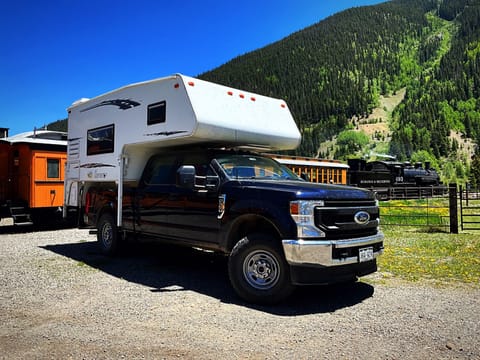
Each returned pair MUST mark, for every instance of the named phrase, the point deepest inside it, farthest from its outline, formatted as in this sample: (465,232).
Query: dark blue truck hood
(307,190)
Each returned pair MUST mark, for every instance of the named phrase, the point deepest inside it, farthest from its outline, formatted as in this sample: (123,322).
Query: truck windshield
(254,167)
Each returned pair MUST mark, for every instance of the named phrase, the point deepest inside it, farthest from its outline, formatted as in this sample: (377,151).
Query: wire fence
(469,208)
(445,209)
(428,213)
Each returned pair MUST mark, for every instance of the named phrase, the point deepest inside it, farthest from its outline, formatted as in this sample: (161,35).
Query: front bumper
(321,252)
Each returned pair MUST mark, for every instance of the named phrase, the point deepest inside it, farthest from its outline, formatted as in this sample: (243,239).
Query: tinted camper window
(157,113)
(100,140)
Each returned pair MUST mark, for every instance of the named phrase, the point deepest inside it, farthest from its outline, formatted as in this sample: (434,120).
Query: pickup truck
(277,230)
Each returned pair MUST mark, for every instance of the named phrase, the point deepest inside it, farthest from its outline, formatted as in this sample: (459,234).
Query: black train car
(383,175)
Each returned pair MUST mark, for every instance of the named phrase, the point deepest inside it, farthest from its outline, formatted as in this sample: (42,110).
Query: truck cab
(277,230)
(178,160)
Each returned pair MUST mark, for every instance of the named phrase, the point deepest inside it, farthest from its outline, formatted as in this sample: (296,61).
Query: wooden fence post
(452,193)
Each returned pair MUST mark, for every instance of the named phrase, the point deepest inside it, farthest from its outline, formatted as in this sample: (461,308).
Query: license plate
(365,254)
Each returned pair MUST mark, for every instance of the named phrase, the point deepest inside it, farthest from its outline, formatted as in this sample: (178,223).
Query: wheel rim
(107,235)
(261,270)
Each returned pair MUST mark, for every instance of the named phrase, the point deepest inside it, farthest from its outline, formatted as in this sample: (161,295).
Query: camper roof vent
(80,101)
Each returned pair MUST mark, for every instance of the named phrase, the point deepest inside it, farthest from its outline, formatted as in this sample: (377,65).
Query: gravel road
(60,299)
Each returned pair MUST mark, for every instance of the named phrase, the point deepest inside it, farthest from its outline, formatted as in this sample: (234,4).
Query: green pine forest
(401,78)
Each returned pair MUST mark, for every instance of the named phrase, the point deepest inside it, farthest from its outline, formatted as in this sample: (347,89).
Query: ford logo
(362,217)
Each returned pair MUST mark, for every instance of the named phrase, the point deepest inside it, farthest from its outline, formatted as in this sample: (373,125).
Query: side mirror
(186,177)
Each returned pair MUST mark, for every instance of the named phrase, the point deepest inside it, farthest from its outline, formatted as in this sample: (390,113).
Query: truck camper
(32,176)
(179,160)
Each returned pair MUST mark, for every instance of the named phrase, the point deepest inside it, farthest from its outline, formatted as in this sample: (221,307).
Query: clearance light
(176,86)
(242,96)
(283,106)
(252,98)
(230,93)
(191,83)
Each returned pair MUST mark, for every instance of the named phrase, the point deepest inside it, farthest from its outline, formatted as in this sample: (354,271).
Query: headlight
(303,213)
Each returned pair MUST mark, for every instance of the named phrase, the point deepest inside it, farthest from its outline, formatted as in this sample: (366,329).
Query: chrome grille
(337,219)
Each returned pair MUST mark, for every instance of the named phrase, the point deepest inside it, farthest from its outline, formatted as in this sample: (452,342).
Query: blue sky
(56,51)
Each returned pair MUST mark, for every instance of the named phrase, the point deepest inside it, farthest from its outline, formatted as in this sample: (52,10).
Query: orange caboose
(31,175)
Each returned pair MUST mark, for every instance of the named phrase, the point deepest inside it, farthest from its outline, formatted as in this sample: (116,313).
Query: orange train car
(32,167)
(315,170)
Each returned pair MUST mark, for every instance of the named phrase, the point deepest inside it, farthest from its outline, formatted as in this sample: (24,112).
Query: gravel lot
(60,299)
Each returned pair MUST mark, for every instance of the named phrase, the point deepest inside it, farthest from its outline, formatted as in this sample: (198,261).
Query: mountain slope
(447,97)
(337,68)
(333,73)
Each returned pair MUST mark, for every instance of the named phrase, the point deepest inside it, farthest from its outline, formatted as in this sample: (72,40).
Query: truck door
(152,201)
(194,218)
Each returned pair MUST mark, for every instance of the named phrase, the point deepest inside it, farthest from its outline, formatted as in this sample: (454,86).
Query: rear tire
(107,235)
(258,270)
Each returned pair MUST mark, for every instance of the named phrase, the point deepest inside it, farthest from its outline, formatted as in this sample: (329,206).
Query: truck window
(252,166)
(199,160)
(203,169)
(161,170)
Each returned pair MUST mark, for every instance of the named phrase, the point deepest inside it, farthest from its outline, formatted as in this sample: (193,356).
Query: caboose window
(53,168)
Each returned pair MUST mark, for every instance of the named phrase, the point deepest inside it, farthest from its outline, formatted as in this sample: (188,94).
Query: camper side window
(157,113)
(100,140)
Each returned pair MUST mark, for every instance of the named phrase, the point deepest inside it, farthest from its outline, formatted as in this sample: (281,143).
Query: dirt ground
(61,299)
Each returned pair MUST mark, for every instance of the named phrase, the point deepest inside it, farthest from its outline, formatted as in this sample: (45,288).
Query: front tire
(107,235)
(258,270)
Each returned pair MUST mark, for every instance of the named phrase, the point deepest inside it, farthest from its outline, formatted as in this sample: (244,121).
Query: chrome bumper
(319,252)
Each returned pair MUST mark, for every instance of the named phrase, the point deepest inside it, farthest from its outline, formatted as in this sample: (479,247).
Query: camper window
(53,168)
(100,140)
(157,113)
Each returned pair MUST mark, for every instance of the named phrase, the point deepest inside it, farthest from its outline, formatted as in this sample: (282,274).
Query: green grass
(426,213)
(440,257)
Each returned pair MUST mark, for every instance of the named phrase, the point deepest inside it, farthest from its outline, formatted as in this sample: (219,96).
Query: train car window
(53,168)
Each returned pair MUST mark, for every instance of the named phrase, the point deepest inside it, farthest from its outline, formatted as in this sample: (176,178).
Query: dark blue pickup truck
(277,230)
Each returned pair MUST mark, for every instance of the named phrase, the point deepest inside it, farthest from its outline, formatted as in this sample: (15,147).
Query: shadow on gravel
(15,229)
(167,268)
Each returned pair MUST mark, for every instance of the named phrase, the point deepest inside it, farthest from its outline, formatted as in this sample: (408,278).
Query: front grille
(339,221)
(349,203)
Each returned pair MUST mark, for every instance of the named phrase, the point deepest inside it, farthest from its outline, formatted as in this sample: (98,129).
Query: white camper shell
(110,137)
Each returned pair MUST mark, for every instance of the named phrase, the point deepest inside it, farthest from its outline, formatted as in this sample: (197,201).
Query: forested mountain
(337,68)
(336,72)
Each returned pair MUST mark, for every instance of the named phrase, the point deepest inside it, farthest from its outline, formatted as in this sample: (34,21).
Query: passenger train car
(31,176)
(315,170)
